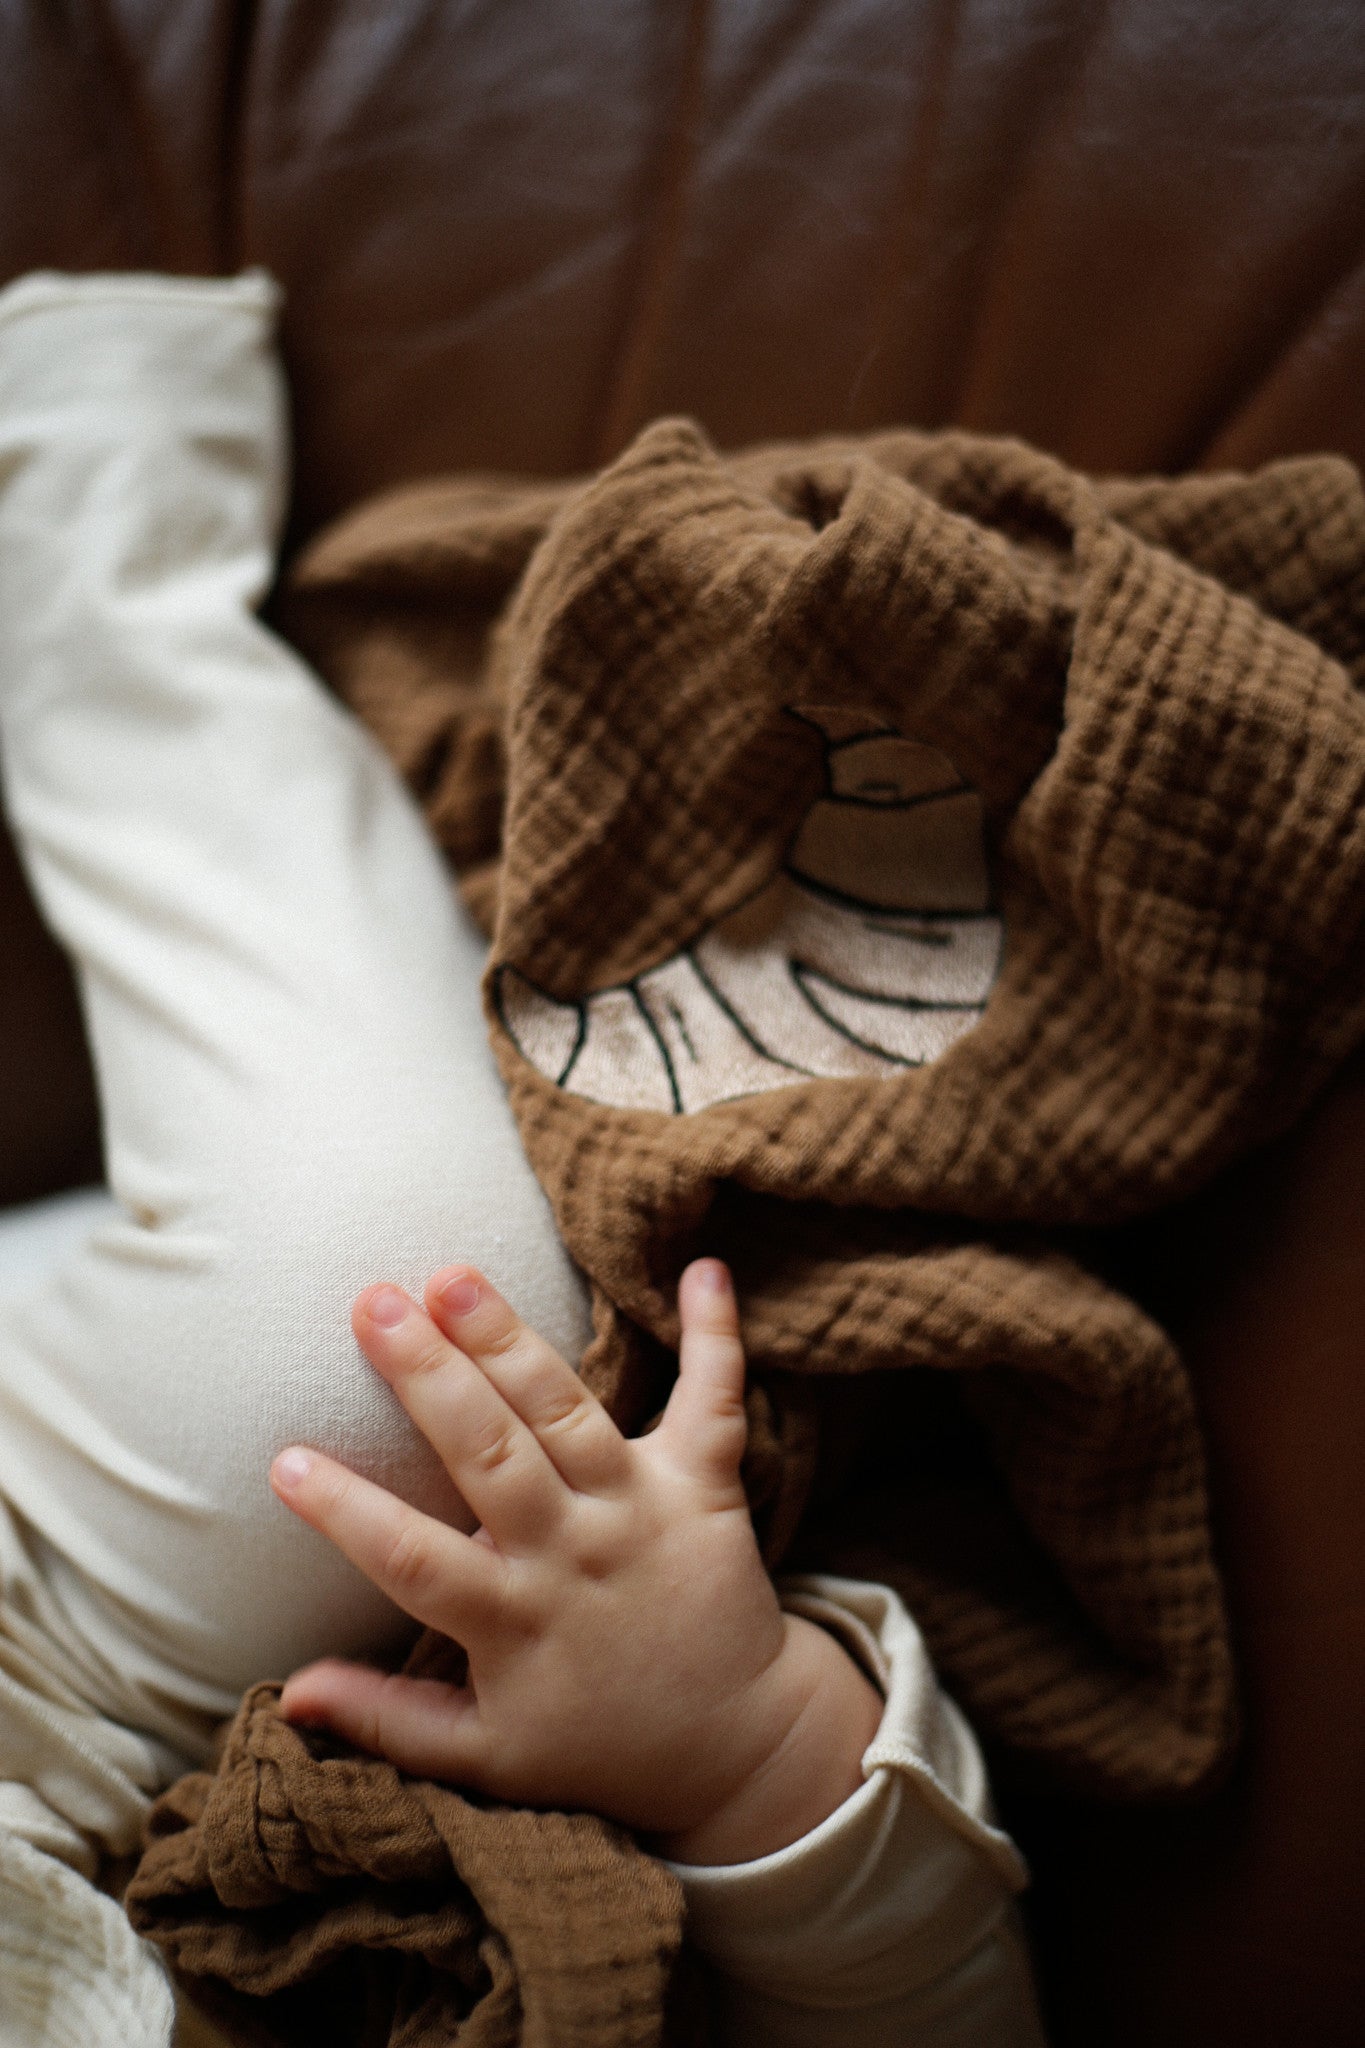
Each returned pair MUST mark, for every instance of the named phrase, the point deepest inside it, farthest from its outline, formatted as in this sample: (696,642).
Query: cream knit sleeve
(892,1924)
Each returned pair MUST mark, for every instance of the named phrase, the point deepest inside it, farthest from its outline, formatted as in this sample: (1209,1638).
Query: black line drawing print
(873,950)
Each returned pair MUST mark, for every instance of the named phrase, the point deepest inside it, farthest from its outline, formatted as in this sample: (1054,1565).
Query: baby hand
(627,1653)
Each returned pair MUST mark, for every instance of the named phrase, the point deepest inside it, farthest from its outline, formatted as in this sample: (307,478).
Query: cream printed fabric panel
(873,950)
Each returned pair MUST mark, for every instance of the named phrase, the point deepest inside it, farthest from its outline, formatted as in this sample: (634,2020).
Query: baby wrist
(812,1769)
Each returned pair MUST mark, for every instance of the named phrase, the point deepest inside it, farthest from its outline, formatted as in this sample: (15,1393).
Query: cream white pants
(298,1095)
(283,1001)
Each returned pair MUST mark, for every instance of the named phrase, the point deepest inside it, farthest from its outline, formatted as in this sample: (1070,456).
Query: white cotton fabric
(893,1921)
(75,1975)
(298,1098)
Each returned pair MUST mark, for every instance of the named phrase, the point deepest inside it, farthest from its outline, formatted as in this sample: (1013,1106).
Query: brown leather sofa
(1132,231)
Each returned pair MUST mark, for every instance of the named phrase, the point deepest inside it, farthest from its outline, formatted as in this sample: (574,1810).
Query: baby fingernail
(713,1276)
(291,1467)
(387,1306)
(460,1294)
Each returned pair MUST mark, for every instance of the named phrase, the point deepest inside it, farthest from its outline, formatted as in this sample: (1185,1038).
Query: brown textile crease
(619,702)
(340,1900)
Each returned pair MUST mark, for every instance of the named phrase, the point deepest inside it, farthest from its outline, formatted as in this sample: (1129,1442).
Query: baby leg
(283,1005)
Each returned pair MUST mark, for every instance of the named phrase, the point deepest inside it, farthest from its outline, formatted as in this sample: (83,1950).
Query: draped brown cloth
(304,1893)
(1153,688)
(906,860)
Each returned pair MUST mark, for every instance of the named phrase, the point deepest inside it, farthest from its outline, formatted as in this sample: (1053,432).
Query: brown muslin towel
(903,856)
(303,1893)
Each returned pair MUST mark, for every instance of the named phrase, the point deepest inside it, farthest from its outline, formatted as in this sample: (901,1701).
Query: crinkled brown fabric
(304,1893)
(608,697)
(619,703)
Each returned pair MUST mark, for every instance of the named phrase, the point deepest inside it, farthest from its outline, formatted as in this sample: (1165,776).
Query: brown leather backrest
(512,230)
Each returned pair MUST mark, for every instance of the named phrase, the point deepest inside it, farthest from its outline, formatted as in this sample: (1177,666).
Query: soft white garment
(298,1095)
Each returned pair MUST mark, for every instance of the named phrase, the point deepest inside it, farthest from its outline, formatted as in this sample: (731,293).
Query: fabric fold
(905,859)
(300,1884)
(725,745)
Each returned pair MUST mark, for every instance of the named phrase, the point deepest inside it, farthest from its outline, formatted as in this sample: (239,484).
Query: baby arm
(627,1651)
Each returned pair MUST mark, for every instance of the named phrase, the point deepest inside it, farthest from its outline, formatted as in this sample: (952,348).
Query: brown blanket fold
(304,1893)
(901,856)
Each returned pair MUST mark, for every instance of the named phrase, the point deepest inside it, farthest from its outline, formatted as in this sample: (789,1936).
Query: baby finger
(420,1725)
(436,1574)
(498,1464)
(571,1426)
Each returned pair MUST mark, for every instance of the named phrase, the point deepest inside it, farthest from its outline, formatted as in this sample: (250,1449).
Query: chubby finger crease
(528,1385)
(727,1402)
(461,1406)
(559,1417)
(370,1716)
(500,1344)
(492,1447)
(409,1565)
(718,1321)
(721,1355)
(423,1352)
(580,1438)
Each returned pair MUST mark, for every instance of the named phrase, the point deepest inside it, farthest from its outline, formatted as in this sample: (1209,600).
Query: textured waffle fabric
(900,853)
(318,1883)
